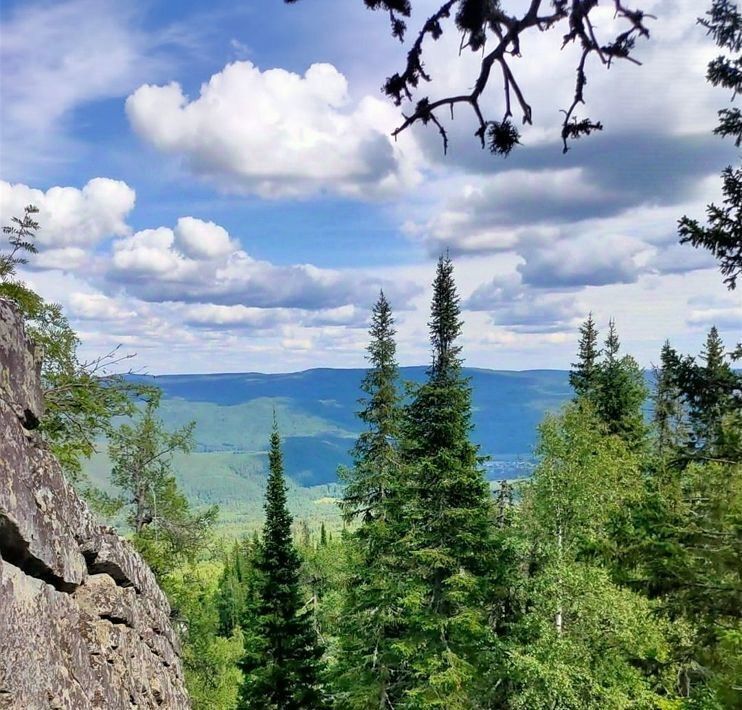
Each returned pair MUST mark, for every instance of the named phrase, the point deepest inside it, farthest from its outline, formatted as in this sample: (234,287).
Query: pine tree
(713,391)
(584,375)
(375,457)
(237,586)
(282,661)
(368,668)
(621,392)
(449,517)
(682,544)
(669,407)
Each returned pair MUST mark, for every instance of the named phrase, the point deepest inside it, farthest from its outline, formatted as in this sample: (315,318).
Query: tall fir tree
(236,591)
(670,416)
(713,391)
(584,375)
(375,454)
(369,667)
(621,392)
(681,546)
(282,661)
(449,524)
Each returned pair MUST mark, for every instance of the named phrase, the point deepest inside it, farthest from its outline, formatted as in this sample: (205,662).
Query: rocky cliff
(83,623)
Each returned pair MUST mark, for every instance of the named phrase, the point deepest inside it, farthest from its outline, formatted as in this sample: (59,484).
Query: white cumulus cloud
(198,262)
(98,306)
(276,133)
(70,217)
(203,240)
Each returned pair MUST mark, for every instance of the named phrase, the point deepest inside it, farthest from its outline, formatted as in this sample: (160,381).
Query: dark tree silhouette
(722,235)
(485,27)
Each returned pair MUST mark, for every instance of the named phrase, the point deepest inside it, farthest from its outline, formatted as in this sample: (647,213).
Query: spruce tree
(449,525)
(621,392)
(669,406)
(237,586)
(682,544)
(369,665)
(375,458)
(584,375)
(282,661)
(713,391)
(722,234)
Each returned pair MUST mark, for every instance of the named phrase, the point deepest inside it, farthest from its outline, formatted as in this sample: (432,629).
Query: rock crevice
(83,623)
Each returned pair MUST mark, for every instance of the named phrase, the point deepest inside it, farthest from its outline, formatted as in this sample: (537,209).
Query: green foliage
(369,662)
(724,24)
(282,656)
(322,577)
(21,237)
(165,529)
(670,416)
(236,593)
(600,656)
(375,455)
(584,374)
(81,397)
(584,478)
(680,544)
(583,641)
(209,659)
(614,385)
(447,547)
(712,390)
(722,235)
(621,392)
(685,554)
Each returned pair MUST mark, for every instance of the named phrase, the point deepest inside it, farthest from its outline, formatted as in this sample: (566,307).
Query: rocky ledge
(83,623)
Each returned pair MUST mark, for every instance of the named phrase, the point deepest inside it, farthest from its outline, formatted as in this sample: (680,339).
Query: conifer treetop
(445,319)
(584,374)
(612,343)
(277,518)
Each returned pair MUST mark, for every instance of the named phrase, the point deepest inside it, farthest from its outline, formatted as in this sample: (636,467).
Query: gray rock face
(83,623)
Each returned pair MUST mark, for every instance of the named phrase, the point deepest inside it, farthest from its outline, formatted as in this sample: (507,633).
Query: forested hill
(316,410)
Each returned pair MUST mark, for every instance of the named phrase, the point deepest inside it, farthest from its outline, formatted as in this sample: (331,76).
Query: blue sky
(219,190)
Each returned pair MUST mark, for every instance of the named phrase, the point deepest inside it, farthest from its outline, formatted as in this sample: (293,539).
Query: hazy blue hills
(316,410)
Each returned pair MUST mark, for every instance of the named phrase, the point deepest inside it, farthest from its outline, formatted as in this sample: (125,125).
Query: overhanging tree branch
(482,22)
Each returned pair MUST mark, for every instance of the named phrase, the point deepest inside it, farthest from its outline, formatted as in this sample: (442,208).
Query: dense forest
(608,579)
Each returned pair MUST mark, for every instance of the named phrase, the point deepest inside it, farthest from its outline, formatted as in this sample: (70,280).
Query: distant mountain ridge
(235,408)
(316,411)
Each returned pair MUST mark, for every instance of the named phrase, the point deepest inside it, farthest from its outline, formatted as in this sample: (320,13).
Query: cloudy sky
(219,191)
